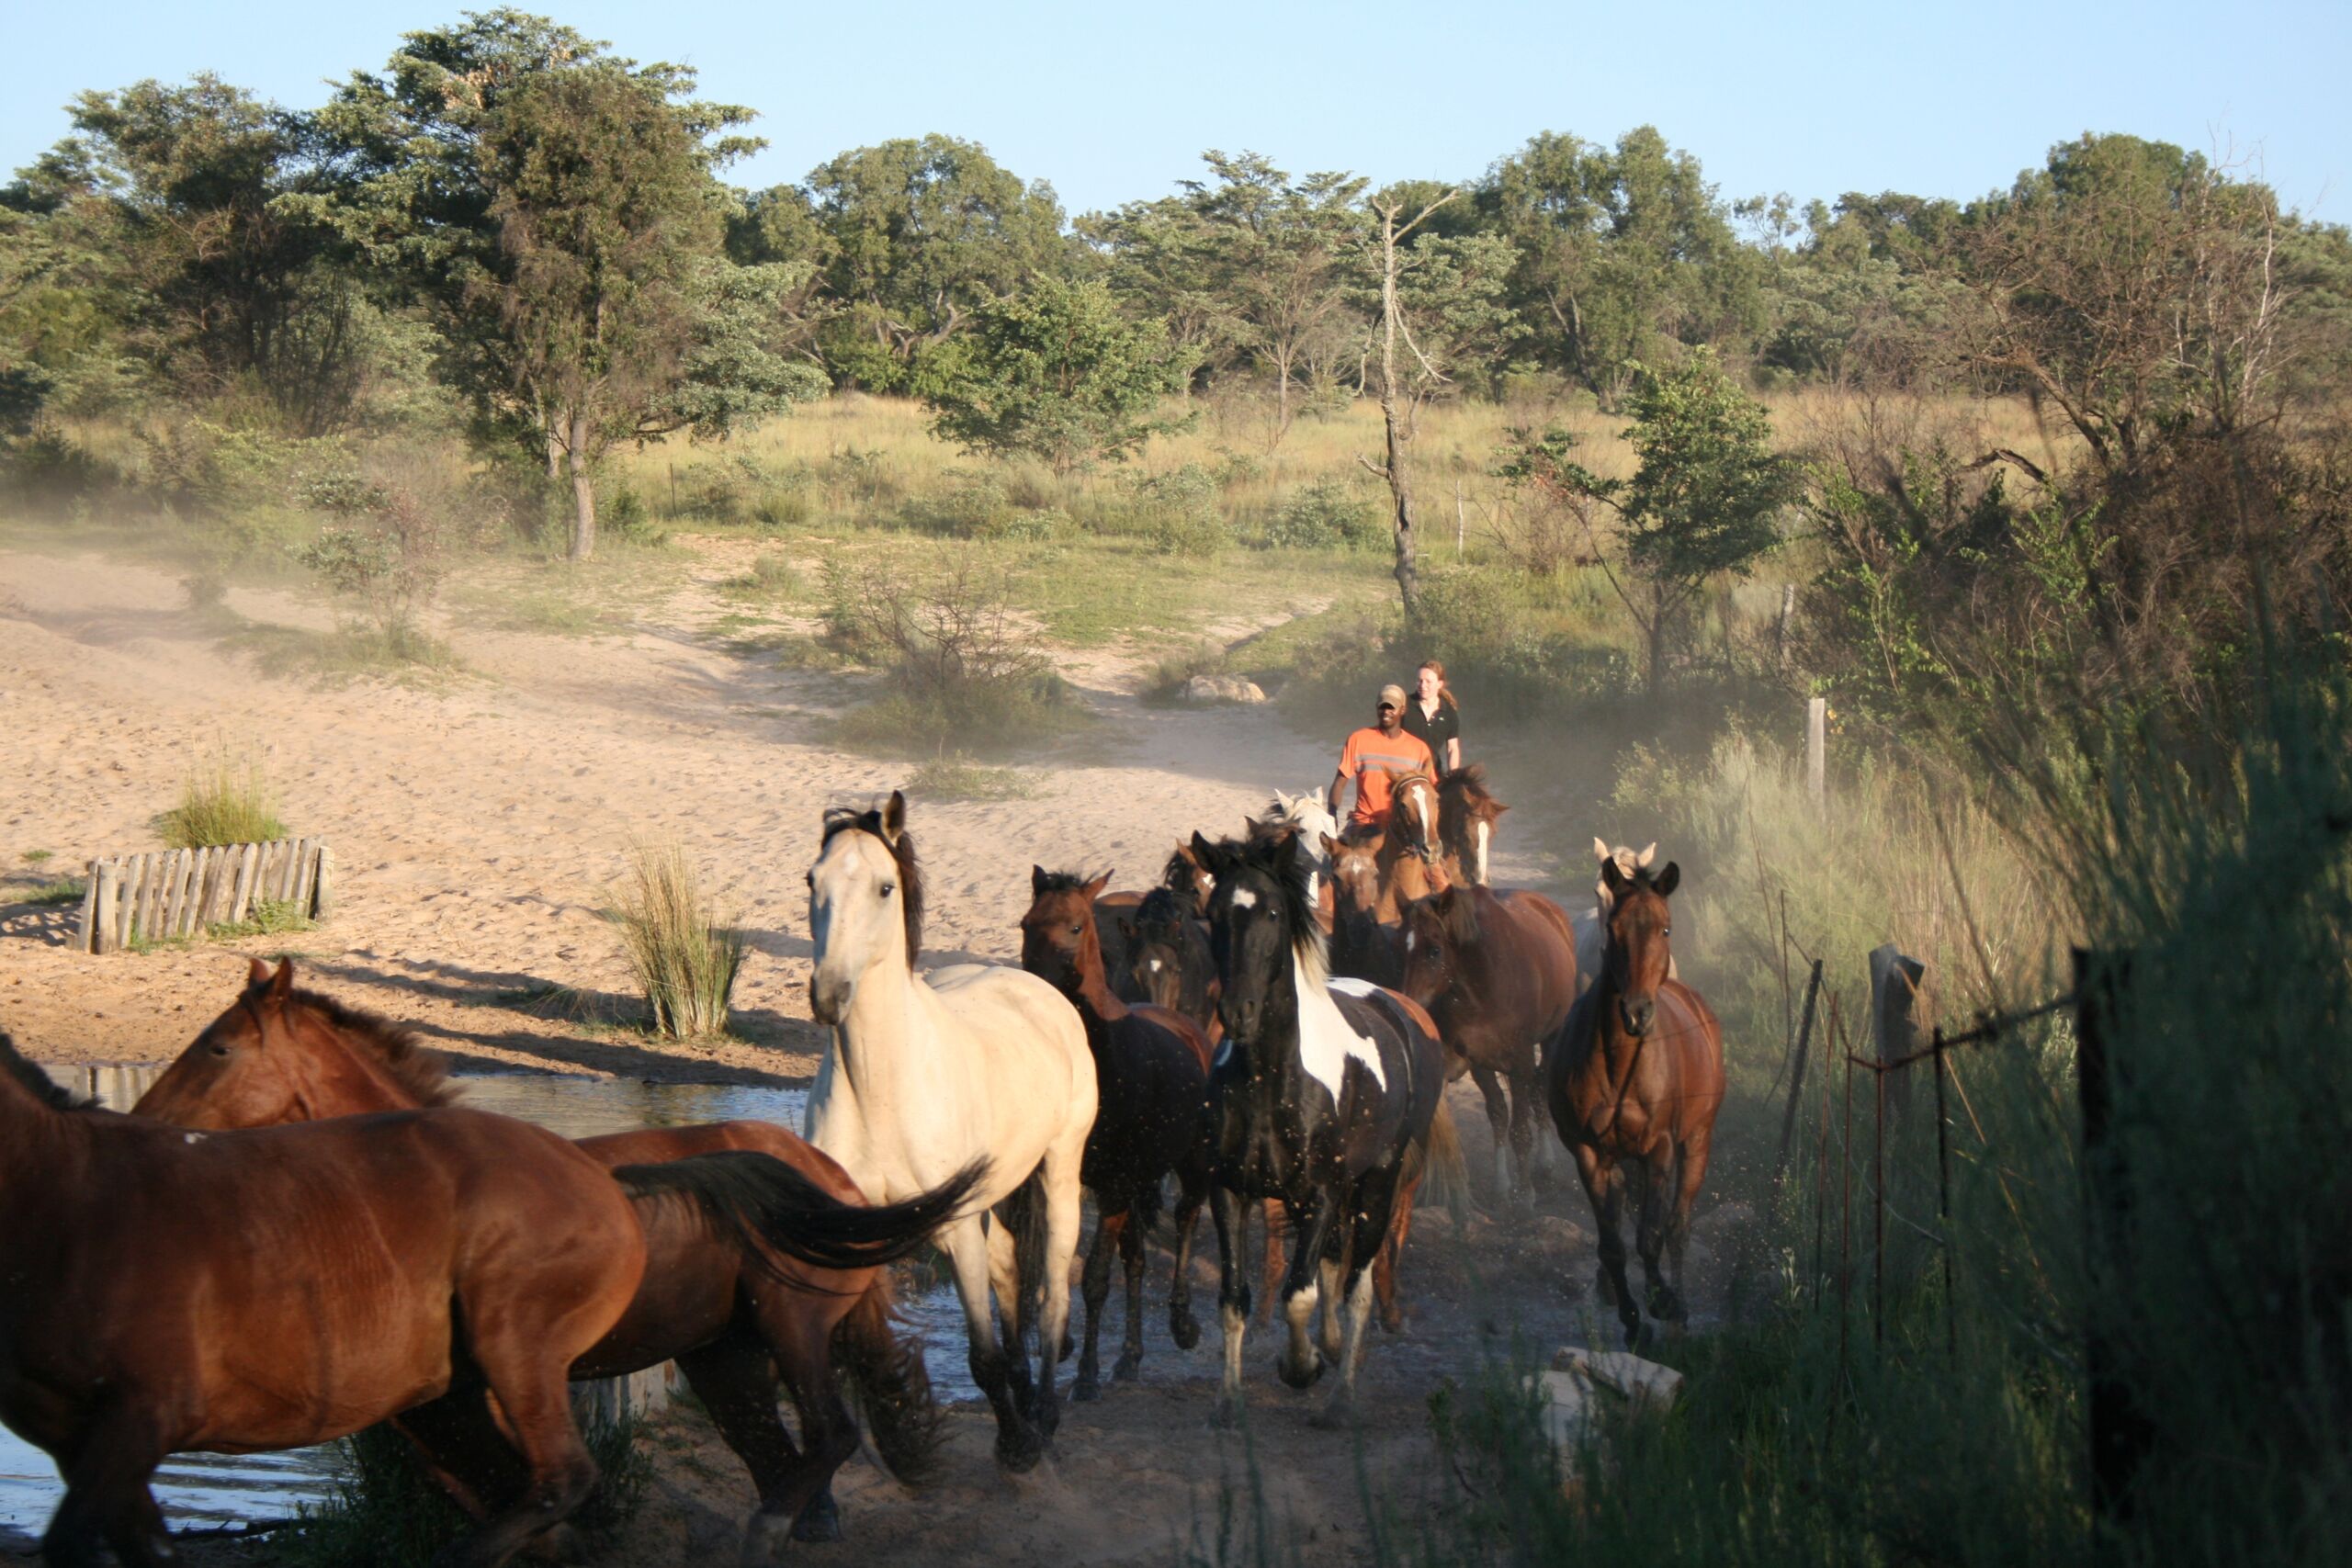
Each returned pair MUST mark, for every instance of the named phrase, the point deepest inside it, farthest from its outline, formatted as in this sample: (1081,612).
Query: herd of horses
(296,1234)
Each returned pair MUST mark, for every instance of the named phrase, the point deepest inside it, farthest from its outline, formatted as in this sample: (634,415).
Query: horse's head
(1412,815)
(282,1054)
(1466,819)
(1261,926)
(1154,937)
(865,903)
(1355,875)
(1059,944)
(1439,930)
(1190,880)
(1639,958)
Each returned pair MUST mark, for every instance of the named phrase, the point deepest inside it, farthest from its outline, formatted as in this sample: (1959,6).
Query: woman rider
(1432,717)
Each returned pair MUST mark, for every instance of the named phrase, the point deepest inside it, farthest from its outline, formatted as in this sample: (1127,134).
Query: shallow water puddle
(214,1489)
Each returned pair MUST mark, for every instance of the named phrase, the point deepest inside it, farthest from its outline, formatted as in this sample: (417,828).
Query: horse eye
(1075,929)
(220,1050)
(888,888)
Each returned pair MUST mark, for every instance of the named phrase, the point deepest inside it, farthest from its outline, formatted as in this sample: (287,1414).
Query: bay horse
(1168,961)
(1324,1096)
(1408,854)
(1634,1079)
(926,1073)
(239,1293)
(732,1319)
(1151,1068)
(1467,813)
(1498,973)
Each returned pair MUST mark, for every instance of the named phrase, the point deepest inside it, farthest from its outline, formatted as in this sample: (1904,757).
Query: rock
(1204,690)
(1582,1384)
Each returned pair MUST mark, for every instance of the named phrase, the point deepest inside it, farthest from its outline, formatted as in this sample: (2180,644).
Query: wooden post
(1816,754)
(2120,1436)
(302,894)
(323,887)
(248,873)
(1895,1029)
(1796,1073)
(1461,524)
(86,929)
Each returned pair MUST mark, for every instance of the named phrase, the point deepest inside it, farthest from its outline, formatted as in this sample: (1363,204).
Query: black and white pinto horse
(1324,1092)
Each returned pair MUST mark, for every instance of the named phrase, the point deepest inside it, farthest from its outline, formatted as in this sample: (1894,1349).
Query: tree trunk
(1400,488)
(555,448)
(1658,642)
(583,493)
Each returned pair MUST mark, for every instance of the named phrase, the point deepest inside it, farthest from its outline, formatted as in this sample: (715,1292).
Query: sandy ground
(477,823)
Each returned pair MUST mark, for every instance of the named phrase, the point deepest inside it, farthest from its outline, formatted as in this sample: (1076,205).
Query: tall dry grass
(685,960)
(227,799)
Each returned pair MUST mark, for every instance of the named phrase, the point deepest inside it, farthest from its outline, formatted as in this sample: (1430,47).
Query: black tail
(767,1204)
(1022,1210)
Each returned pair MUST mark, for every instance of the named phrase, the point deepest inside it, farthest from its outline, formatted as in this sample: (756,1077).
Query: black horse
(1324,1092)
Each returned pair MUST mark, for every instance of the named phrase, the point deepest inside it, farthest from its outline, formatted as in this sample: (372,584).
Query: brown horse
(1168,961)
(731,1318)
(243,1292)
(1188,880)
(1466,817)
(1408,854)
(1151,1066)
(1363,946)
(1636,1077)
(1498,973)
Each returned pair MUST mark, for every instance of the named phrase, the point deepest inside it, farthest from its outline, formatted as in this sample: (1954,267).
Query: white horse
(925,1074)
(1312,817)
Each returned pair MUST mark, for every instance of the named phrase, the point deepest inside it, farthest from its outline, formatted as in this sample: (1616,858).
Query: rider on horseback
(1373,758)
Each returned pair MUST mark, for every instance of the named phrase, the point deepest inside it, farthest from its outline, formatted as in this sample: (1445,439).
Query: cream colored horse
(1592,928)
(926,1073)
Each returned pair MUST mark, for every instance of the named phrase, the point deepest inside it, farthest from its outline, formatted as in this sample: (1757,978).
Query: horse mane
(1465,787)
(840,820)
(39,1084)
(397,1048)
(1158,908)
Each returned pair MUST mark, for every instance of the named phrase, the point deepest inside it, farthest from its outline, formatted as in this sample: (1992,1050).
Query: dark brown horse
(1636,1077)
(1498,973)
(237,1292)
(1363,946)
(1188,880)
(732,1319)
(1151,1069)
(1168,961)
(1466,816)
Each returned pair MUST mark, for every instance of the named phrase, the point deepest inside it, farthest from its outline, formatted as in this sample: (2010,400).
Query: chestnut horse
(1151,1067)
(1498,973)
(1408,850)
(732,1319)
(1636,1077)
(237,1292)
(1466,818)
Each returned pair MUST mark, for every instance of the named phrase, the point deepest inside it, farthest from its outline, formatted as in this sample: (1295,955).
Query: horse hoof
(1129,1369)
(1020,1451)
(1086,1391)
(820,1522)
(1184,1329)
(1299,1377)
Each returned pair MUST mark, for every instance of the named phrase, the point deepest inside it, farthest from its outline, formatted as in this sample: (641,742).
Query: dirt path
(477,823)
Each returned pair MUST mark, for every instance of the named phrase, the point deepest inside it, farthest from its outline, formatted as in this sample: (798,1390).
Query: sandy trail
(477,823)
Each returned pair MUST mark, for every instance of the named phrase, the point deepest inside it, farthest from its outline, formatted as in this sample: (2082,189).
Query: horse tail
(766,1205)
(887,1379)
(1447,1172)
(1024,1212)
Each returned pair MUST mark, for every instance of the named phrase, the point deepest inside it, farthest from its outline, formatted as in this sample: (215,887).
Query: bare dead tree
(1400,399)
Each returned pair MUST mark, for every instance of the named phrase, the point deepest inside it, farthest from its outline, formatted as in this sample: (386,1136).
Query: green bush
(227,801)
(48,469)
(1328,515)
(1177,513)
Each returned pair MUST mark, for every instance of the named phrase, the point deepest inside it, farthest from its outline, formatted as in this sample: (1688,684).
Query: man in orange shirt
(1373,757)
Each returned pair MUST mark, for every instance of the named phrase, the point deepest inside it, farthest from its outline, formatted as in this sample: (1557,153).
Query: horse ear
(1665,882)
(1647,854)
(894,818)
(1331,846)
(1036,880)
(281,985)
(1094,888)
(256,972)
(1203,853)
(1600,851)
(1611,877)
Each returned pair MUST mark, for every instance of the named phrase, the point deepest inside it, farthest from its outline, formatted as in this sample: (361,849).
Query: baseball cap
(1393,694)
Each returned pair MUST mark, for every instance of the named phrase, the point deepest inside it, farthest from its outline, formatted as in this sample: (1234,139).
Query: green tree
(1702,503)
(918,235)
(1057,372)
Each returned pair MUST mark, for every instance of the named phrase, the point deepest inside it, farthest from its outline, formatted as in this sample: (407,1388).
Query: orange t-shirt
(1374,761)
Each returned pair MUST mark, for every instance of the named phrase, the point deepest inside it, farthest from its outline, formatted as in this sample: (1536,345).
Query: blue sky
(1111,104)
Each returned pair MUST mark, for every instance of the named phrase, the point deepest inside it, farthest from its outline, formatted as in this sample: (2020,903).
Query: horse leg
(1276,1266)
(528,1379)
(1604,1189)
(107,1497)
(1499,1121)
(1384,1267)
(1301,1362)
(1059,1192)
(1366,1231)
(1691,1175)
(1130,1365)
(1018,1447)
(736,1381)
(1329,1280)
(1232,1220)
(1523,1092)
(1658,1196)
(1012,1305)
(1096,1287)
(1183,1328)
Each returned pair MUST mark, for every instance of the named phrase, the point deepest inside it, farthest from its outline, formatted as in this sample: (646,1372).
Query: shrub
(387,559)
(49,470)
(954,779)
(1329,514)
(684,961)
(1176,513)
(228,801)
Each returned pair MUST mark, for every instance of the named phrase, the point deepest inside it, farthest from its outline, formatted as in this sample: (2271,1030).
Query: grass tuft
(685,960)
(228,801)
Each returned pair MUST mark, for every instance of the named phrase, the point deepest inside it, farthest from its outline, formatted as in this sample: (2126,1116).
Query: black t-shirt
(1434,732)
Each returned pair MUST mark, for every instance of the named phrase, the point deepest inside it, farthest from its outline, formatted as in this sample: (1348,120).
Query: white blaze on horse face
(1244,899)
(1485,830)
(1326,1038)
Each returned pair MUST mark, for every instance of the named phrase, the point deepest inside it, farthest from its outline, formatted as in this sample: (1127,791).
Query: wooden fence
(178,893)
